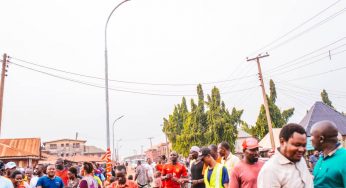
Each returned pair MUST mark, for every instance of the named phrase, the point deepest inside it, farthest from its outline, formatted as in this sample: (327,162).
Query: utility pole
(151,143)
(270,127)
(3,75)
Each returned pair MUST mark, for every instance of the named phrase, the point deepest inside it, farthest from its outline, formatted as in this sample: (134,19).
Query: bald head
(323,132)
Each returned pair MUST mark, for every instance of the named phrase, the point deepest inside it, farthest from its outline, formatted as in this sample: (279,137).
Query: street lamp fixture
(113,135)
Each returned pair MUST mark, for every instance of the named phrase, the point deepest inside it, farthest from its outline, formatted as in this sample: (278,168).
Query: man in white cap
(196,168)
(4,182)
(10,167)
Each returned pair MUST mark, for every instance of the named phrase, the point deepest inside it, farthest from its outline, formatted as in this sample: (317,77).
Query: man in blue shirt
(50,181)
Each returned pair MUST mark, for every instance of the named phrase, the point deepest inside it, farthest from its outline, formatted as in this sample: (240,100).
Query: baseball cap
(205,151)
(250,143)
(10,165)
(194,149)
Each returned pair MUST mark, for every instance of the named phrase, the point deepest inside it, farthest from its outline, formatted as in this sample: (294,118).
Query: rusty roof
(20,147)
(65,139)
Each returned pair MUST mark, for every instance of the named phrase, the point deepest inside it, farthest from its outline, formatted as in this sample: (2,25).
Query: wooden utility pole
(270,127)
(151,143)
(2,86)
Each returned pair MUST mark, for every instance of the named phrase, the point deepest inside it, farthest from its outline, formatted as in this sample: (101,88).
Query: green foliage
(325,98)
(200,126)
(260,129)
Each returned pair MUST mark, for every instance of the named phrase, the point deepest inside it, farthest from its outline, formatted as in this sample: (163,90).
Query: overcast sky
(162,42)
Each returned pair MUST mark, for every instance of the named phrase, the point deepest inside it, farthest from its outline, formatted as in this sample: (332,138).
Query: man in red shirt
(244,174)
(61,171)
(174,173)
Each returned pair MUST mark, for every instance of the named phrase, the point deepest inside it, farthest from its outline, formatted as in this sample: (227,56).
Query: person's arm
(61,184)
(225,177)
(234,178)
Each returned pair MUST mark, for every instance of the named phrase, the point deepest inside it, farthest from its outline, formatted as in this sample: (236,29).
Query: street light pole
(113,135)
(106,76)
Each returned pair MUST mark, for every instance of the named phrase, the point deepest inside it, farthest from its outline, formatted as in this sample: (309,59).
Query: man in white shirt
(4,182)
(227,158)
(287,167)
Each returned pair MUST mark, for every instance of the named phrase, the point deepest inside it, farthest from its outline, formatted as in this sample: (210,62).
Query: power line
(297,27)
(120,90)
(134,82)
(304,65)
(310,53)
(318,74)
(309,29)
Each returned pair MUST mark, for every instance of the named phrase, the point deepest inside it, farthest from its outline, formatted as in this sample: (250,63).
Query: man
(38,172)
(330,169)
(121,180)
(313,159)
(216,175)
(10,167)
(287,167)
(61,171)
(173,172)
(4,182)
(141,175)
(150,166)
(29,177)
(50,181)
(227,158)
(196,169)
(214,153)
(245,173)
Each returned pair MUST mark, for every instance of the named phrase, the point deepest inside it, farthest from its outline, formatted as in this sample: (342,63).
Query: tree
(200,126)
(325,98)
(260,129)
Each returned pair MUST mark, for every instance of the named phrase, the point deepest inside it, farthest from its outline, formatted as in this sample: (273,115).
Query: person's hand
(194,182)
(168,176)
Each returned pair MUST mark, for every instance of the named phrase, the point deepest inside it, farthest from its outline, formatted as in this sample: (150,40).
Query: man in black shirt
(196,169)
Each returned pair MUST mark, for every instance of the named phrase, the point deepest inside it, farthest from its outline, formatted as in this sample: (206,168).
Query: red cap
(250,143)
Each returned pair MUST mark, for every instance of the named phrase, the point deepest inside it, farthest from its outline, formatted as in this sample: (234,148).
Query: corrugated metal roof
(20,147)
(65,139)
(319,112)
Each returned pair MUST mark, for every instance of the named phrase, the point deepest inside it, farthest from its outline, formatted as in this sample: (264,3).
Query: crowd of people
(213,166)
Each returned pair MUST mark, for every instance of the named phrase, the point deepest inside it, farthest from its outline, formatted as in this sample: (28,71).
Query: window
(67,145)
(62,155)
(66,155)
(76,145)
(62,145)
(52,146)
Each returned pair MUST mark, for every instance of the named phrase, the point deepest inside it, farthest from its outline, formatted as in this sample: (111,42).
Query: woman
(17,179)
(88,180)
(72,181)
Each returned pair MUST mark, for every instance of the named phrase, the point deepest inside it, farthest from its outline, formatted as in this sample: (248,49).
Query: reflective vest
(215,178)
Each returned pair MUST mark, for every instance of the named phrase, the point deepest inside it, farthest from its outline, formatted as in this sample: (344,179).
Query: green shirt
(330,171)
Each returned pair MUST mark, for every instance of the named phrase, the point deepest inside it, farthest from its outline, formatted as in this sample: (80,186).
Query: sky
(158,51)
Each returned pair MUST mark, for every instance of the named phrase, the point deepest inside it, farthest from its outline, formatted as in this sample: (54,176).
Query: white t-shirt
(33,182)
(5,183)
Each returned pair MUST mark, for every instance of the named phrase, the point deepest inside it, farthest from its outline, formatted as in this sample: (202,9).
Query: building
(158,150)
(25,152)
(319,112)
(64,147)
(71,147)
(93,151)
(265,143)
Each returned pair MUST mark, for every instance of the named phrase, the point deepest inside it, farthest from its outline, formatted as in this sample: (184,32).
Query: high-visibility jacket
(215,178)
